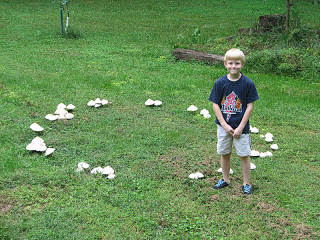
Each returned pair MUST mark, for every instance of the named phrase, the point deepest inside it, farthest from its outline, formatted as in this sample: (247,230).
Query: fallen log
(191,55)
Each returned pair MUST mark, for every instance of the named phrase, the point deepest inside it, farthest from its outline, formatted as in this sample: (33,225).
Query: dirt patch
(5,205)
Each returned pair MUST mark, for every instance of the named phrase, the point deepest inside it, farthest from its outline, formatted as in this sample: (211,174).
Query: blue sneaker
(247,189)
(220,184)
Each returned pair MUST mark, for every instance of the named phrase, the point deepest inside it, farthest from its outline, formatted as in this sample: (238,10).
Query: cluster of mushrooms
(151,103)
(98,103)
(37,144)
(106,171)
(268,137)
(204,112)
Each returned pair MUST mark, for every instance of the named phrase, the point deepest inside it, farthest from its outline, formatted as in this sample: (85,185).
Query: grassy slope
(124,56)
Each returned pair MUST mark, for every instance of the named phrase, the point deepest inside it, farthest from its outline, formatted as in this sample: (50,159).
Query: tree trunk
(191,55)
(288,16)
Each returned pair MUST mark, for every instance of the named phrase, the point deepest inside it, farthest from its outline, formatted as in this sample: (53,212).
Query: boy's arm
(223,123)
(245,119)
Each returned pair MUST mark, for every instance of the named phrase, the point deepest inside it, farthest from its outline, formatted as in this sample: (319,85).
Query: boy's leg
(246,169)
(225,165)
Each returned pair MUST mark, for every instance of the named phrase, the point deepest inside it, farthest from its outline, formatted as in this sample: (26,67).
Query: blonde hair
(235,54)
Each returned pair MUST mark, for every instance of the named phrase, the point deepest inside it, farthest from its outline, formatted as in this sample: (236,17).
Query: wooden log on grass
(191,55)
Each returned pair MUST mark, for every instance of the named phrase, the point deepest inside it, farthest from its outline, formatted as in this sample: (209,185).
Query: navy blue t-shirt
(233,97)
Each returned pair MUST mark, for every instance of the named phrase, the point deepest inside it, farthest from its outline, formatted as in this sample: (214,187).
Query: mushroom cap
(71,107)
(274,146)
(69,116)
(193,176)
(262,155)
(199,175)
(51,117)
(107,170)
(269,139)
(149,102)
(83,165)
(111,176)
(192,108)
(97,105)
(204,112)
(98,101)
(268,154)
(252,166)
(207,115)
(31,147)
(41,147)
(254,130)
(61,111)
(91,103)
(97,170)
(61,105)
(36,127)
(104,102)
(37,140)
(268,135)
(157,103)
(49,151)
(254,153)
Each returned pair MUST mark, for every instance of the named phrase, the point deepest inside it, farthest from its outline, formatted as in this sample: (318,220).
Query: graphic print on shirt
(231,104)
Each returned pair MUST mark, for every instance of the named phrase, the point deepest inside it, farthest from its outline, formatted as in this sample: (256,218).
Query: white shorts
(224,145)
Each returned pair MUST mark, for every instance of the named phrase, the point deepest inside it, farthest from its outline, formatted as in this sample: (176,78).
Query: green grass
(124,55)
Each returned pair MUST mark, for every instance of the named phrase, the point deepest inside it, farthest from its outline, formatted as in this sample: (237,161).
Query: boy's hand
(229,130)
(237,132)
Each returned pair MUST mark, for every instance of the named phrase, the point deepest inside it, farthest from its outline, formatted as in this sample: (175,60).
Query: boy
(233,96)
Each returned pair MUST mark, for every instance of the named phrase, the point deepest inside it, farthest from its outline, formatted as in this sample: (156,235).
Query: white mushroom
(61,105)
(91,103)
(220,170)
(149,102)
(97,170)
(71,107)
(98,101)
(111,176)
(61,111)
(269,135)
(254,130)
(274,146)
(193,176)
(97,105)
(104,102)
(262,155)
(157,103)
(37,140)
(204,112)
(49,151)
(252,166)
(207,115)
(31,147)
(69,116)
(51,117)
(269,139)
(192,108)
(62,116)
(83,165)
(36,127)
(107,170)
(268,154)
(254,153)
(199,175)
(41,147)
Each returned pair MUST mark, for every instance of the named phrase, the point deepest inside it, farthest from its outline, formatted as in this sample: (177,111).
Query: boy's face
(233,66)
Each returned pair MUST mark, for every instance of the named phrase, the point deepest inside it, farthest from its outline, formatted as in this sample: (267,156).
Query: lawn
(122,53)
